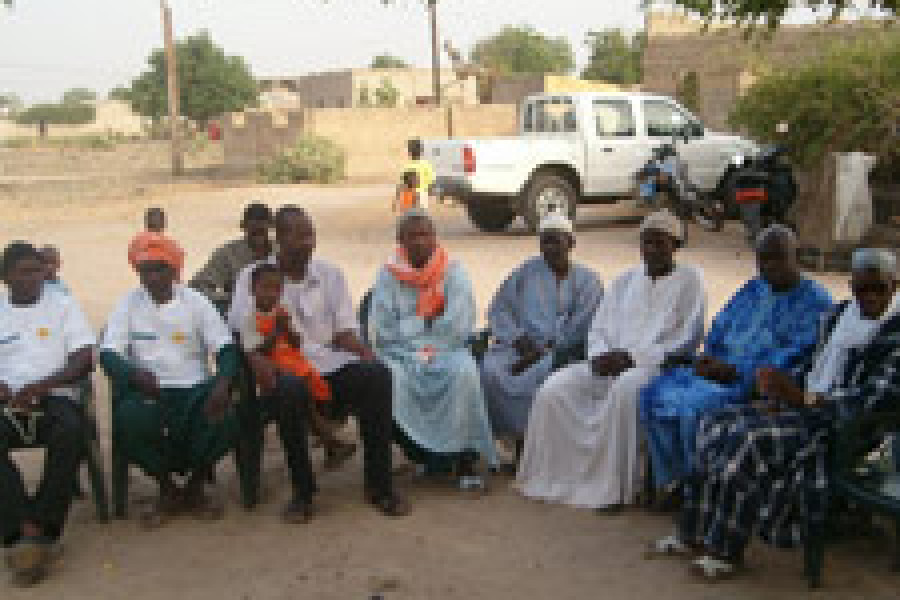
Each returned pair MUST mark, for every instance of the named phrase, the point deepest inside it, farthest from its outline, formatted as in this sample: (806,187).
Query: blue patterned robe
(768,474)
(756,328)
(531,302)
(438,404)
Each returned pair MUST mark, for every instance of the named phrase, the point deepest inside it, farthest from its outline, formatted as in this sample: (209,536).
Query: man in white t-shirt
(46,347)
(172,416)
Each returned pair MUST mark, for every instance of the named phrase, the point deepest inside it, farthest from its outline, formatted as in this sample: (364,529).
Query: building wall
(725,61)
(373,138)
(341,89)
(514,89)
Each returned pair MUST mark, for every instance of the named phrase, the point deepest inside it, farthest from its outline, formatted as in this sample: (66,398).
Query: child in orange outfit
(408,193)
(272,332)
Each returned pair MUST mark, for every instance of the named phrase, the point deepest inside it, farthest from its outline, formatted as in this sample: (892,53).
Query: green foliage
(365,97)
(772,12)
(11,102)
(386,95)
(844,101)
(311,158)
(72,113)
(79,95)
(120,93)
(615,58)
(210,82)
(524,50)
(687,91)
(388,61)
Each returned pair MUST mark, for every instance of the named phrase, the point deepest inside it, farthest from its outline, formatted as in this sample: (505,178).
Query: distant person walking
(155,233)
(423,169)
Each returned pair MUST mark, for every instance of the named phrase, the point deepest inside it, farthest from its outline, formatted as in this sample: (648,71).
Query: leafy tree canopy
(79,95)
(772,12)
(210,82)
(524,50)
(388,61)
(58,114)
(615,57)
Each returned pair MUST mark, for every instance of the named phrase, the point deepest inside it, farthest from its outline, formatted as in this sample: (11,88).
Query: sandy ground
(452,546)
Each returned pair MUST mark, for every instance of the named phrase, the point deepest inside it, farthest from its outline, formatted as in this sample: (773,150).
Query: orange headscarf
(151,246)
(429,280)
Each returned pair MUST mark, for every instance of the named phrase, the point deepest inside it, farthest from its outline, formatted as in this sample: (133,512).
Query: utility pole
(172,86)
(435,52)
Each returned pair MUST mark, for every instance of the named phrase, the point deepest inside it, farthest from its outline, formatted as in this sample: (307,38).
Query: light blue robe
(439,404)
(757,328)
(531,302)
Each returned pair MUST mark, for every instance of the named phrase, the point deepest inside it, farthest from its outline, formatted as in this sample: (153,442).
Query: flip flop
(390,505)
(669,546)
(713,569)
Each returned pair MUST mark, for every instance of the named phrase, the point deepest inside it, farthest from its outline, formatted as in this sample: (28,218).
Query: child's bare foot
(337,453)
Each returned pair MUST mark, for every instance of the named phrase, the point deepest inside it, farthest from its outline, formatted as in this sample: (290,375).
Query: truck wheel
(490,215)
(545,194)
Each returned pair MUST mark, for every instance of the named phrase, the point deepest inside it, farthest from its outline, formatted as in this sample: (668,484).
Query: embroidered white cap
(663,220)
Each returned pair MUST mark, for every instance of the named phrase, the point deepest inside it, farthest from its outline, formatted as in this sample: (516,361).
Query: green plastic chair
(859,483)
(93,456)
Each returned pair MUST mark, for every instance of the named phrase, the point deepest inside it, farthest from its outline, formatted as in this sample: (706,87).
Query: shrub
(843,102)
(311,158)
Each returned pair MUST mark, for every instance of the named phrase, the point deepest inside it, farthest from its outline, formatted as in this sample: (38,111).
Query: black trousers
(363,389)
(60,431)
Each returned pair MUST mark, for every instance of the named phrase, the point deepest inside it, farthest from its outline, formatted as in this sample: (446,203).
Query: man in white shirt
(581,446)
(317,293)
(171,415)
(46,346)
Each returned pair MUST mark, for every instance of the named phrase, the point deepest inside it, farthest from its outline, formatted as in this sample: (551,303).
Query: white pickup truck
(582,148)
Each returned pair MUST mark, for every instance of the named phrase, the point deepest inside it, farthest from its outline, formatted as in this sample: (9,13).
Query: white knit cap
(556,222)
(879,259)
(663,220)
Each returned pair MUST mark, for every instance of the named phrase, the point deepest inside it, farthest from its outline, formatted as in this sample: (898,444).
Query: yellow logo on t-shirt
(178,337)
(43,332)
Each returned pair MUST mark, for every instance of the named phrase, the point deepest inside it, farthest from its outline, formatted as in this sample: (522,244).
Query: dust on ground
(499,547)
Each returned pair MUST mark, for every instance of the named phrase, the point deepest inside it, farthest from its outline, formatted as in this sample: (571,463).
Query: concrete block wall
(373,138)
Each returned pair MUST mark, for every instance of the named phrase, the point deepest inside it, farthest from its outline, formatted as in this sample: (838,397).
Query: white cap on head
(664,221)
(878,259)
(556,222)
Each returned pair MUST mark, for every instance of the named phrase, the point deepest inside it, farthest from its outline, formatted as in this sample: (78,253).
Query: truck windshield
(551,115)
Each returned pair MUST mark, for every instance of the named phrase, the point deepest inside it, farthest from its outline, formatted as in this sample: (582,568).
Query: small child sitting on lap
(273,332)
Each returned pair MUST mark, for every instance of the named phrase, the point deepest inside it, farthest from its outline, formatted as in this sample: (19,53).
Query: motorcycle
(762,188)
(664,182)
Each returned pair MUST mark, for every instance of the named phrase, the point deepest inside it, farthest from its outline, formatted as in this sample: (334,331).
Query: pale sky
(48,46)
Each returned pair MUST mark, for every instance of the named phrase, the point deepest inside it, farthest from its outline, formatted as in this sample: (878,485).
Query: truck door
(663,119)
(614,151)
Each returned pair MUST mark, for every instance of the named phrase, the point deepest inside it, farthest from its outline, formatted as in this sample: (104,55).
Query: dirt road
(500,547)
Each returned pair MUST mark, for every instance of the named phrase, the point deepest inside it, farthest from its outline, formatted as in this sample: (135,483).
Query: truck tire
(490,215)
(547,193)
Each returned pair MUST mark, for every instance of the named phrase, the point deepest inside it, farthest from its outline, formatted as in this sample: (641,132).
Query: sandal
(713,569)
(390,505)
(669,546)
(30,561)
(468,483)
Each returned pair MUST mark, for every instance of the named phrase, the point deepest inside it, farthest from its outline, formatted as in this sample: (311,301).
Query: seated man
(539,321)
(171,415)
(216,280)
(772,320)
(316,292)
(46,346)
(423,310)
(763,469)
(53,262)
(582,444)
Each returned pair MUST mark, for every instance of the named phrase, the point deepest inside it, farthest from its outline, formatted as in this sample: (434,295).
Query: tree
(120,93)
(388,61)
(687,91)
(74,113)
(772,12)
(10,103)
(844,101)
(210,82)
(615,57)
(524,50)
(364,96)
(386,95)
(79,95)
